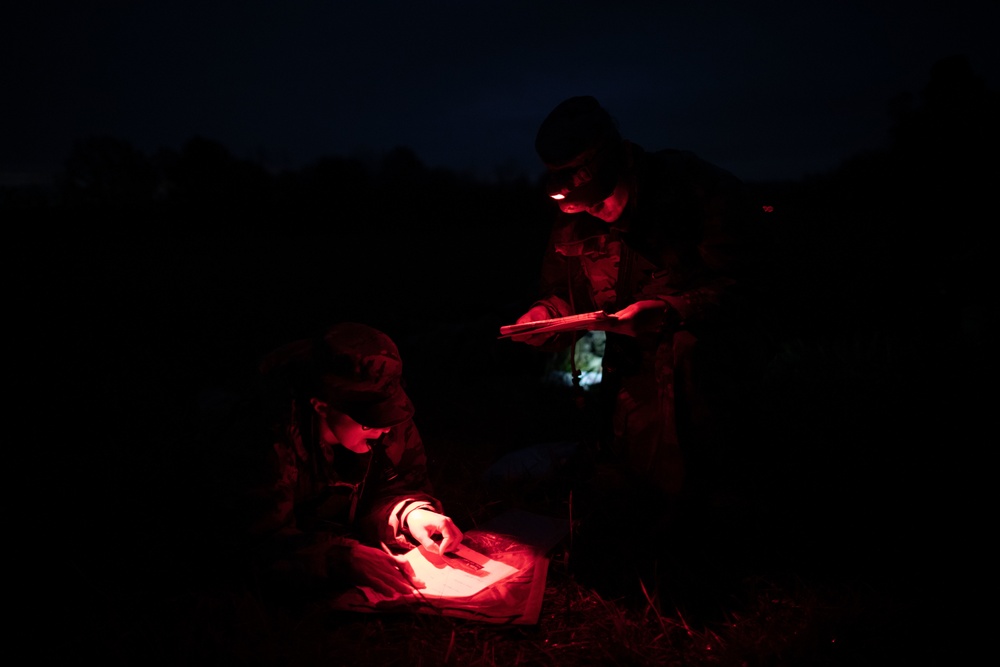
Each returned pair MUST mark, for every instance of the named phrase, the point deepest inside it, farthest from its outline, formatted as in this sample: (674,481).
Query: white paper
(597,320)
(452,577)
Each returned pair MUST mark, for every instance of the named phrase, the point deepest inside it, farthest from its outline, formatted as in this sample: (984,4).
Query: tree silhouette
(105,172)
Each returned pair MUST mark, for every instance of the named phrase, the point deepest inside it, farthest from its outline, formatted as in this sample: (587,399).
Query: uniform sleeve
(397,484)
(266,511)
(562,287)
(711,275)
(562,284)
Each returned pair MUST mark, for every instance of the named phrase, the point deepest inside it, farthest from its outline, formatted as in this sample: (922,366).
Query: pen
(462,562)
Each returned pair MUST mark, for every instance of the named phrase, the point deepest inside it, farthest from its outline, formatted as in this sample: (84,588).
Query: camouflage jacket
(689,235)
(291,500)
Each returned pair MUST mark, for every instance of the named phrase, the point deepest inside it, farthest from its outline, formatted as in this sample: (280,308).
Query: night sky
(779,91)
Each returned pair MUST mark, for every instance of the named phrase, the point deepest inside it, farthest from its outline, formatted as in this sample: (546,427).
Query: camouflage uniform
(687,237)
(299,503)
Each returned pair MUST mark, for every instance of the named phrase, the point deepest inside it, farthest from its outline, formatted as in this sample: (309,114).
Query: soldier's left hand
(641,317)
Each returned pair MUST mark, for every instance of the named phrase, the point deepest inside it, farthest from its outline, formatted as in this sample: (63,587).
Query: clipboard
(597,320)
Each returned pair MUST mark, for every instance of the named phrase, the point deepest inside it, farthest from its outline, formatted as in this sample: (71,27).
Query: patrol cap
(353,367)
(361,373)
(582,149)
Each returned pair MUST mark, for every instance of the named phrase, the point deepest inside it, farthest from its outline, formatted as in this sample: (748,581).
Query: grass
(759,620)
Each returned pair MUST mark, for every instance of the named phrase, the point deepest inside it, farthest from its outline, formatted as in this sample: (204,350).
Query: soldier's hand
(385,573)
(534,314)
(641,317)
(436,532)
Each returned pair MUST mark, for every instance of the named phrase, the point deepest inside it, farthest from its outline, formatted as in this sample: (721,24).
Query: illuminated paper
(460,574)
(597,320)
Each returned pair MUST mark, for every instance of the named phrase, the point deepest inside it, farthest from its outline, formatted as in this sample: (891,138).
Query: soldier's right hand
(534,314)
(383,572)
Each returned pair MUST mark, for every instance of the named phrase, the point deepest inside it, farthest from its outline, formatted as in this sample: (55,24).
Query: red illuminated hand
(640,317)
(425,525)
(383,572)
(534,314)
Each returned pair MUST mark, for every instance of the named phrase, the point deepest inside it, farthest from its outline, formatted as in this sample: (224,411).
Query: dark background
(777,90)
(148,285)
(147,276)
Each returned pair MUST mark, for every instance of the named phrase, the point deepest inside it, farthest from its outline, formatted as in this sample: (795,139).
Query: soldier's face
(607,210)
(337,428)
